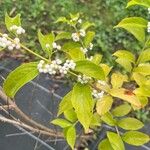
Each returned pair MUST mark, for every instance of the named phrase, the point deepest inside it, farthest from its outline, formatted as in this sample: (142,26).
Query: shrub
(96,86)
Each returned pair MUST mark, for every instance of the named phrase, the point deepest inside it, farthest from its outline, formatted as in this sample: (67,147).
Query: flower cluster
(56,46)
(102,82)
(4,42)
(18,29)
(148,27)
(84,50)
(76,36)
(56,67)
(83,79)
(69,64)
(97,95)
(91,46)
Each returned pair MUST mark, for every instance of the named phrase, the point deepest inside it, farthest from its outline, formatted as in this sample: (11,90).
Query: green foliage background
(105,14)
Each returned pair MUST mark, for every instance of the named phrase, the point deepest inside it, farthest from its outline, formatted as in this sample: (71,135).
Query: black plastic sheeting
(36,100)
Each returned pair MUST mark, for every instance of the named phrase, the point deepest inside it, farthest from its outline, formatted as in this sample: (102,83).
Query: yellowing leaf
(65,104)
(126,96)
(143,69)
(70,115)
(83,104)
(105,145)
(70,135)
(108,119)
(104,105)
(125,55)
(144,56)
(115,141)
(117,79)
(97,59)
(121,110)
(135,138)
(106,69)
(125,64)
(130,124)
(139,78)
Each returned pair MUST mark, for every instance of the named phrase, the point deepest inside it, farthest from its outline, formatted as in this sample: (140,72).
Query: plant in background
(96,85)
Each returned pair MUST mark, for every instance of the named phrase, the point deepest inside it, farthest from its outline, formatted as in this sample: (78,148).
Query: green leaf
(61,19)
(126,95)
(10,21)
(130,124)
(105,145)
(143,69)
(70,115)
(87,25)
(65,104)
(104,104)
(46,40)
(19,77)
(134,25)
(88,38)
(135,138)
(121,110)
(117,79)
(115,141)
(125,55)
(145,3)
(108,119)
(144,56)
(90,69)
(83,104)
(73,49)
(70,135)
(63,35)
(96,120)
(61,122)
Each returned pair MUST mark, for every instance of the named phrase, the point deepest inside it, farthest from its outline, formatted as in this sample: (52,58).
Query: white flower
(75,37)
(6,43)
(58,47)
(80,21)
(47,45)
(148,27)
(91,46)
(84,50)
(18,46)
(102,82)
(54,45)
(97,95)
(17,29)
(10,48)
(17,40)
(82,32)
(90,58)
(83,79)
(5,35)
